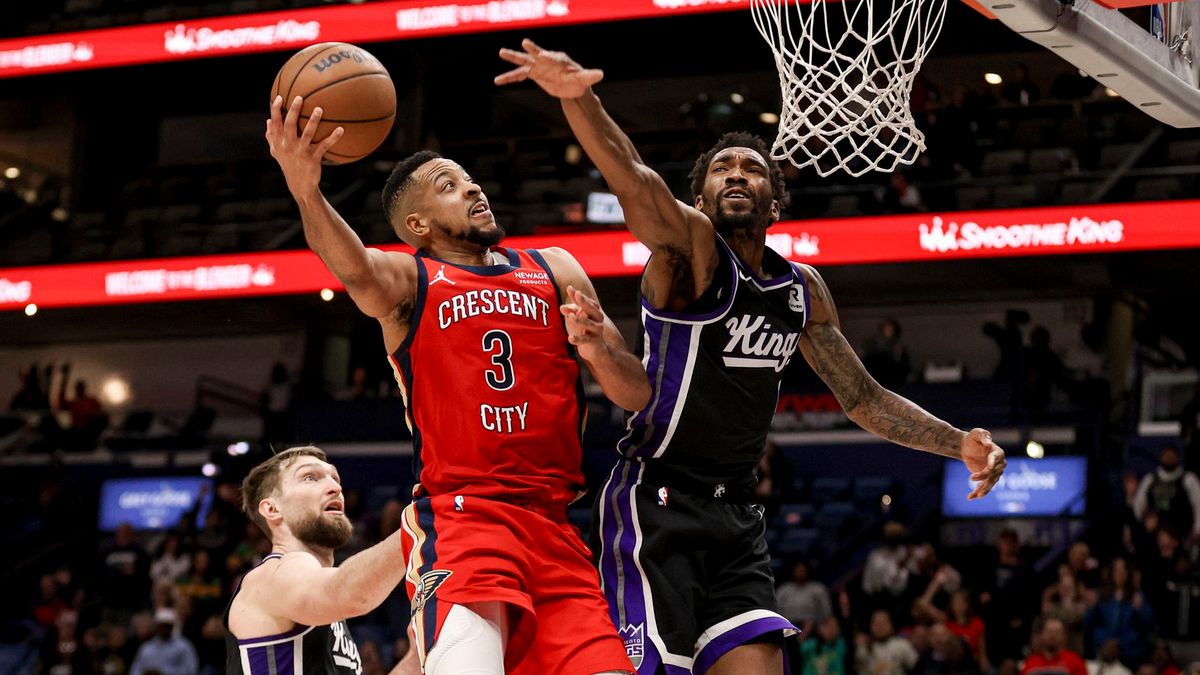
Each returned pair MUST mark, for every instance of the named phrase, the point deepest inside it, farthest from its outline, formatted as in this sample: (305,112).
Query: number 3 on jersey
(499,345)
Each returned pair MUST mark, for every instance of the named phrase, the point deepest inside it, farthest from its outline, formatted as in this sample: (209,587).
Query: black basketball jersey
(304,650)
(716,374)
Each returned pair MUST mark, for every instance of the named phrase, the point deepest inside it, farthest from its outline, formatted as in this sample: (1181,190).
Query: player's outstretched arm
(883,412)
(596,339)
(302,590)
(671,229)
(376,280)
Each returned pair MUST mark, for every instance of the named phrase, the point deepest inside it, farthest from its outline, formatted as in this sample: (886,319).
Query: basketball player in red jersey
(499,580)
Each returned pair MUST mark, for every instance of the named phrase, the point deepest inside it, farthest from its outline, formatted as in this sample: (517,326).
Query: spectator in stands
(962,621)
(31,395)
(88,419)
(1019,90)
(1121,613)
(885,357)
(49,603)
(1044,370)
(882,652)
(1083,566)
(274,403)
(171,563)
(202,585)
(1164,661)
(1005,603)
(371,659)
(930,584)
(948,655)
(885,574)
(1011,341)
(899,196)
(125,575)
(1189,428)
(1052,655)
(1170,492)
(1108,661)
(167,653)
(1167,574)
(824,653)
(1063,600)
(802,600)
(358,389)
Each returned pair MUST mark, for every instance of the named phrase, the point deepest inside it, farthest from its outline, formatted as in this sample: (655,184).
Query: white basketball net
(846,71)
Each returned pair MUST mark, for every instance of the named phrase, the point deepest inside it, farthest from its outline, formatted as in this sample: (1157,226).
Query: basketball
(353,90)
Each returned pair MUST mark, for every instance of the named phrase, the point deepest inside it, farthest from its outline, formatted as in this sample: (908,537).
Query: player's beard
(727,221)
(483,238)
(319,531)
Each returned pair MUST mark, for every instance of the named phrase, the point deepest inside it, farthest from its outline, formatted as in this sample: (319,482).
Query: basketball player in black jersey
(288,614)
(680,542)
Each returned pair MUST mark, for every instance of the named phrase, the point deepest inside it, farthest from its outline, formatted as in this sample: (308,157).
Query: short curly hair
(738,139)
(399,183)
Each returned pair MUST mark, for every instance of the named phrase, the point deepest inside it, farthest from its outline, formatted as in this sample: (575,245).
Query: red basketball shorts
(462,549)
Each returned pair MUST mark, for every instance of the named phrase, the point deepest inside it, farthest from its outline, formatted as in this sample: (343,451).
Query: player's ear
(416,226)
(268,508)
(774,211)
(699,202)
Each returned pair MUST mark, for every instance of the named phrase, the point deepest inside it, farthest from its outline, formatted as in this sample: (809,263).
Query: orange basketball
(353,90)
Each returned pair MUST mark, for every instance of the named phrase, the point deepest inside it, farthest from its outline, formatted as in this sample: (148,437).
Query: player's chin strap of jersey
(735,490)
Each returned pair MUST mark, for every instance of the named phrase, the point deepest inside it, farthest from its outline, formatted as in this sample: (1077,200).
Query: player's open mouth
(735,193)
(335,507)
(480,209)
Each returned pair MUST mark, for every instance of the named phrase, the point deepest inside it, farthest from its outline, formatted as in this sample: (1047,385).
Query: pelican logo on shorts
(663,495)
(720,491)
(427,587)
(635,642)
(441,276)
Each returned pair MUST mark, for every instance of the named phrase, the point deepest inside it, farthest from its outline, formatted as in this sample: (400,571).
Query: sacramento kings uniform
(304,650)
(683,561)
(495,405)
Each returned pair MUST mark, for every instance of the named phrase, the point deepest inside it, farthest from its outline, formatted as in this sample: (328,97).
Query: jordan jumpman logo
(441,276)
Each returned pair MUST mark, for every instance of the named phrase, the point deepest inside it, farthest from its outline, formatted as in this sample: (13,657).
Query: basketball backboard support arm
(1161,80)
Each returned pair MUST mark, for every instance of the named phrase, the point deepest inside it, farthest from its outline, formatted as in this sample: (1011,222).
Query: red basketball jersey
(492,388)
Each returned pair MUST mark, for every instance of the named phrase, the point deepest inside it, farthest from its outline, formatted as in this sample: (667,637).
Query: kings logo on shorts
(428,586)
(635,642)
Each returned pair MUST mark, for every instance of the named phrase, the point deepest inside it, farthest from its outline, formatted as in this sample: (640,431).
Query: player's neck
(472,256)
(290,544)
(748,244)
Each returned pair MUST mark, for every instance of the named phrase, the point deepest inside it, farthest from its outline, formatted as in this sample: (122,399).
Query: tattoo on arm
(871,406)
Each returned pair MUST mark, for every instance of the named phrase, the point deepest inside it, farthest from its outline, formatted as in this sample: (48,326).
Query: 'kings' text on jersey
(716,371)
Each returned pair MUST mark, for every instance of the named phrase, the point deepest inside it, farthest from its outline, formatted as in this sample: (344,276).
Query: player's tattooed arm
(880,411)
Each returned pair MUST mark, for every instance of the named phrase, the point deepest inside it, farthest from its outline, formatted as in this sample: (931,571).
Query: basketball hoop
(846,73)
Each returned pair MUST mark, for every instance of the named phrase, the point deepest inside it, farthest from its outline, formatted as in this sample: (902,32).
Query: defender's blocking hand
(554,72)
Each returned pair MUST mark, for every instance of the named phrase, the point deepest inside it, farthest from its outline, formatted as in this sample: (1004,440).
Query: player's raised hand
(585,323)
(294,149)
(555,72)
(984,459)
